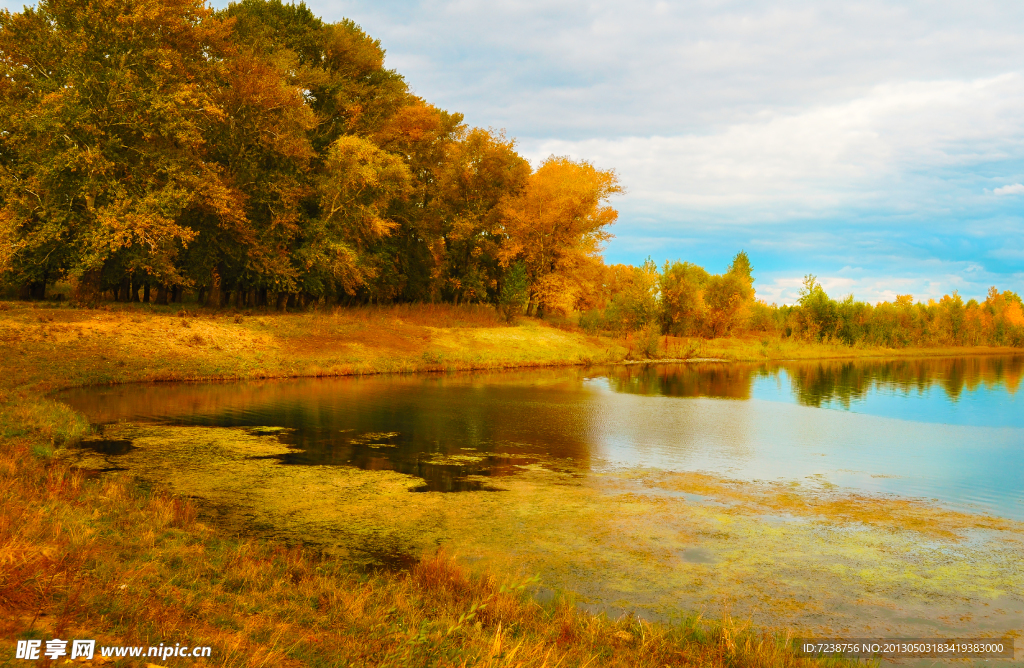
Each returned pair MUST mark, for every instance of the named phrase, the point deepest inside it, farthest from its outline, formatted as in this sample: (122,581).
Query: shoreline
(101,347)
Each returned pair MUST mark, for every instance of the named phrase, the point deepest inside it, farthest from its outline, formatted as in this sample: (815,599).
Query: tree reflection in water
(823,382)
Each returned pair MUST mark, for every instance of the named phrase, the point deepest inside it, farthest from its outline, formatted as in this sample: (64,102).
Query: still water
(949,430)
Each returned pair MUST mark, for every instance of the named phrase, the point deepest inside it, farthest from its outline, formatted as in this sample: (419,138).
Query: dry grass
(753,348)
(50,348)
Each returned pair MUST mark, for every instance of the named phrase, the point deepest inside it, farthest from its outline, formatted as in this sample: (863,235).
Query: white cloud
(1015,189)
(574,69)
(873,149)
(941,279)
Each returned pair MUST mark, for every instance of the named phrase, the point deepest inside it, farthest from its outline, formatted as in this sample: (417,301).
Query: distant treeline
(685,300)
(258,156)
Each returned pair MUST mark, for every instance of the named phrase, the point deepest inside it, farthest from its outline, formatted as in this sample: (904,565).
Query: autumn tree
(634,302)
(358,185)
(682,298)
(258,154)
(480,169)
(108,105)
(728,297)
(556,227)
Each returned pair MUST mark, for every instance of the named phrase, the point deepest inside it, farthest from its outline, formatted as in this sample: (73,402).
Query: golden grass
(50,348)
(753,348)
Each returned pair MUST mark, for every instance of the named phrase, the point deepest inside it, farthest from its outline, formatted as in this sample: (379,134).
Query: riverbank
(112,558)
(50,347)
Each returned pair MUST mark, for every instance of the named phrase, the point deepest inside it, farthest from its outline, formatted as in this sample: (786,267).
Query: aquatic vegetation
(640,541)
(129,563)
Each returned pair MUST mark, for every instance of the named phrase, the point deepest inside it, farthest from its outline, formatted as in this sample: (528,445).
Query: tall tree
(108,104)
(479,170)
(557,226)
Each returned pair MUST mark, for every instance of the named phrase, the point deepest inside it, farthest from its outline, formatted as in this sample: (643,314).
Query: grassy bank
(51,347)
(111,558)
(771,349)
(61,347)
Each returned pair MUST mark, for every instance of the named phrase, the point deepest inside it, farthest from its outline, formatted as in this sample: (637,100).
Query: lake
(878,496)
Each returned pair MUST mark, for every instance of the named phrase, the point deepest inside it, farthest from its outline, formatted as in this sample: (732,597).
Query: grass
(50,348)
(109,557)
(756,348)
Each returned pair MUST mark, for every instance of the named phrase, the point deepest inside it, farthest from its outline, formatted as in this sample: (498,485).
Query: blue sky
(878,145)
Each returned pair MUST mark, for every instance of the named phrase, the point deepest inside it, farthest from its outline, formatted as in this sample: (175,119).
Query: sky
(876,145)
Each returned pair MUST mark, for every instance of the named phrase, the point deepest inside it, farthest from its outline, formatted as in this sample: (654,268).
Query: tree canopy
(259,153)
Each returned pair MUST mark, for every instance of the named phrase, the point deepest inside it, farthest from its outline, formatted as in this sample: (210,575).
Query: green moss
(802,557)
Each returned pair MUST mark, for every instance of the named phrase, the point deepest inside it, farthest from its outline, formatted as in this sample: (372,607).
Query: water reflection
(818,383)
(448,430)
(950,429)
(715,379)
(844,382)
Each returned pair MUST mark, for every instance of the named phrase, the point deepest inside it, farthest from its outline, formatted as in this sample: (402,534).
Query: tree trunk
(88,290)
(145,292)
(213,298)
(282,301)
(122,290)
(33,290)
(161,294)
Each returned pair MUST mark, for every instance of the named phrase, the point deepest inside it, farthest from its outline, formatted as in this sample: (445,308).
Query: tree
(634,302)
(729,297)
(359,183)
(556,227)
(515,292)
(818,310)
(479,170)
(682,297)
(108,104)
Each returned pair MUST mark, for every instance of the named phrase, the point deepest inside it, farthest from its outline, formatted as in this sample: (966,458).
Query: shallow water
(794,495)
(949,429)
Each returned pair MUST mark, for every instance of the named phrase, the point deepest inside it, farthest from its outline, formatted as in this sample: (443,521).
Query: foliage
(104,158)
(902,323)
(556,227)
(696,303)
(261,156)
(515,292)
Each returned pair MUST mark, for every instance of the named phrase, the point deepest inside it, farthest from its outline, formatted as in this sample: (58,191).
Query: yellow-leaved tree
(556,227)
